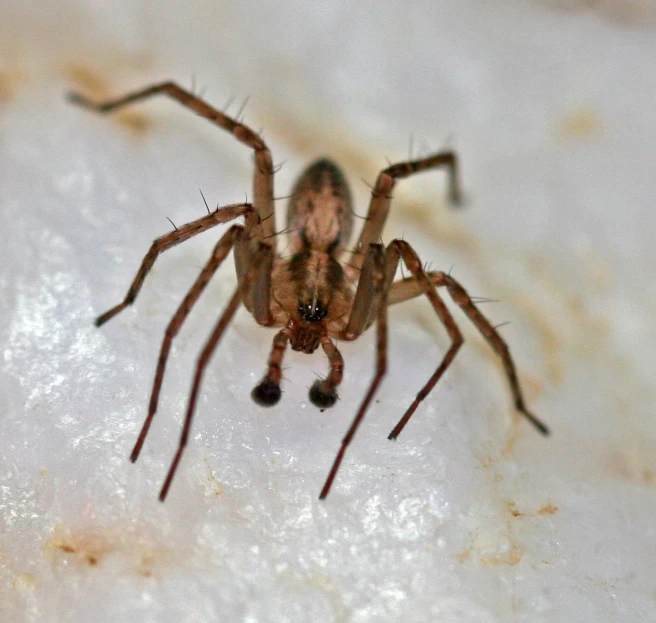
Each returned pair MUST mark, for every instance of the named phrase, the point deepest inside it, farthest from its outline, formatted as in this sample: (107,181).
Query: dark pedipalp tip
(322,399)
(266,393)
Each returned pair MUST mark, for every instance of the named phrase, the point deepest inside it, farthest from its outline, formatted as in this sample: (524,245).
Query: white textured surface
(466,517)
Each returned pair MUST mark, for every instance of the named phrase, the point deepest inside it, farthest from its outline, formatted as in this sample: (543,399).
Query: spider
(312,295)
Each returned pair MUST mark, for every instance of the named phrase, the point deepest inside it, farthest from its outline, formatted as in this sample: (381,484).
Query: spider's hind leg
(406,289)
(400,250)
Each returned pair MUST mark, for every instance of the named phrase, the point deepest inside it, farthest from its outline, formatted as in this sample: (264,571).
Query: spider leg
(260,259)
(406,289)
(381,198)
(371,287)
(221,250)
(368,294)
(257,294)
(263,175)
(397,250)
(165,242)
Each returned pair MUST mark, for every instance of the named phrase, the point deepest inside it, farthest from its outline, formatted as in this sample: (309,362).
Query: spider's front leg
(167,241)
(263,175)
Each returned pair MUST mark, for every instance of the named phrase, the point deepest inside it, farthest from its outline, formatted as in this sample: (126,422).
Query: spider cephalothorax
(310,295)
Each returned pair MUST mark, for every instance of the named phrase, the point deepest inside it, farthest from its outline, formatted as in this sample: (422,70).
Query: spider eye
(312,312)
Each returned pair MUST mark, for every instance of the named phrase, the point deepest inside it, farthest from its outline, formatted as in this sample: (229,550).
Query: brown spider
(311,295)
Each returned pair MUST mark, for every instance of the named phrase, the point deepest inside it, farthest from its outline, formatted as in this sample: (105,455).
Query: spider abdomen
(319,216)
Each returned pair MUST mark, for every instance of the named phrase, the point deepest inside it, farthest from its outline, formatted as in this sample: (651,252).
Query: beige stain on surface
(12,577)
(634,464)
(579,123)
(548,508)
(11,80)
(622,12)
(509,553)
(504,548)
(90,547)
(213,487)
(510,556)
(24,582)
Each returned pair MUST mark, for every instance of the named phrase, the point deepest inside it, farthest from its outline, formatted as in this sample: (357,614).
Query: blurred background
(470,515)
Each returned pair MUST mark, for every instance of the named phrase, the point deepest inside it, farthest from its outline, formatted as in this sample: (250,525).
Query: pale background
(470,515)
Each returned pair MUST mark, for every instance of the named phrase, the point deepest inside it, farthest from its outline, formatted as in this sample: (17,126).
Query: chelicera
(313,295)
